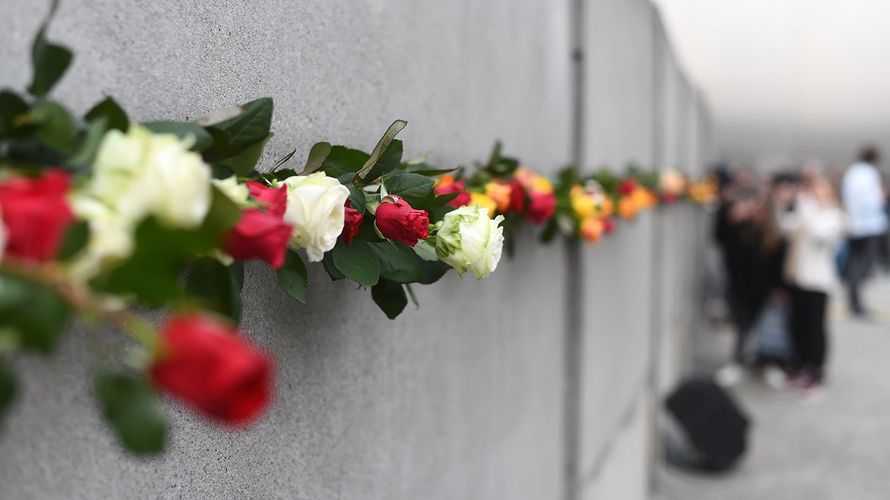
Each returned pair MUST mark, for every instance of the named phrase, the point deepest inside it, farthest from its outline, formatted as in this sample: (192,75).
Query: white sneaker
(729,375)
(775,378)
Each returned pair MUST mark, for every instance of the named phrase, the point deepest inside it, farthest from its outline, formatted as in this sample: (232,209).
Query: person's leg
(796,327)
(856,270)
(819,337)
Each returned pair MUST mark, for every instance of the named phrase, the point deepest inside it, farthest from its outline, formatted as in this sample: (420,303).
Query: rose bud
(592,228)
(203,362)
(608,225)
(261,233)
(398,221)
(275,200)
(501,193)
(352,221)
(627,207)
(541,206)
(36,214)
(670,198)
(627,186)
(517,196)
(447,185)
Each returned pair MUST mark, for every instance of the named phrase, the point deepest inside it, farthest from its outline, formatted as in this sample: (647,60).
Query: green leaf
(438,213)
(357,261)
(55,126)
(37,314)
(387,162)
(183,130)
(152,273)
(550,231)
(90,144)
(245,162)
(357,199)
(317,156)
(281,161)
(111,111)
(381,147)
(432,271)
(368,230)
(11,107)
(217,287)
(222,216)
(342,160)
(130,406)
(76,239)
(398,262)
(390,297)
(50,61)
(428,170)
(293,277)
(416,189)
(331,268)
(280,175)
(250,126)
(8,388)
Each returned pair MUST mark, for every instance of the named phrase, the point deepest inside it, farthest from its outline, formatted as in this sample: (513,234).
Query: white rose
(315,209)
(467,238)
(110,241)
(140,173)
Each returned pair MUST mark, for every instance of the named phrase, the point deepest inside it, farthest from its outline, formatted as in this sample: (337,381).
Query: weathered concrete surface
(459,399)
(833,449)
(616,309)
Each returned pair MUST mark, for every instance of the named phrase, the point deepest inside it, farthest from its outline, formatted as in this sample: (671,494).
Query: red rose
(352,221)
(517,196)
(541,206)
(609,225)
(261,233)
(455,187)
(398,221)
(203,362)
(670,198)
(36,215)
(627,186)
(275,200)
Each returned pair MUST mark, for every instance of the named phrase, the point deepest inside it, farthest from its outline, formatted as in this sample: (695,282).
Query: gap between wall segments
(573,340)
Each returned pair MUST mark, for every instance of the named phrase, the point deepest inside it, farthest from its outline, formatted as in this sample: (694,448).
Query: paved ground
(834,449)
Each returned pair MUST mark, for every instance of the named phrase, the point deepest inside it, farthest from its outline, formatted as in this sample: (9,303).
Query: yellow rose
(484,201)
(583,204)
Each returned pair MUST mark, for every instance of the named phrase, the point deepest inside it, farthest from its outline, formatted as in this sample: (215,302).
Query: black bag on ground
(713,425)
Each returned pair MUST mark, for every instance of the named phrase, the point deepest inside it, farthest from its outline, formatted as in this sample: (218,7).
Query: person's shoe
(775,377)
(729,375)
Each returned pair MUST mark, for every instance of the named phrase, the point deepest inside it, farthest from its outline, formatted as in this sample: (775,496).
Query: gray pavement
(837,448)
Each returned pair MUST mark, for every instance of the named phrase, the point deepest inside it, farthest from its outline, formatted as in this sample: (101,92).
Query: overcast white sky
(803,77)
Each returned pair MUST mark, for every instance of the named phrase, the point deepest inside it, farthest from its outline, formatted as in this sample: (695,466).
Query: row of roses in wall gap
(99,215)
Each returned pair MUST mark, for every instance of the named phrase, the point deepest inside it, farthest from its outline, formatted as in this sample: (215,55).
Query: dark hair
(869,154)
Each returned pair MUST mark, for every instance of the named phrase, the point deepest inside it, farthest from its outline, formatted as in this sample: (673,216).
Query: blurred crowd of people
(787,241)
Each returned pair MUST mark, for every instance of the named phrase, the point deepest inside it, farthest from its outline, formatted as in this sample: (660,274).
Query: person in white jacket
(814,226)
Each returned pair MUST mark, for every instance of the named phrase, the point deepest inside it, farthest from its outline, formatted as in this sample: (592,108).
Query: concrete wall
(616,312)
(463,398)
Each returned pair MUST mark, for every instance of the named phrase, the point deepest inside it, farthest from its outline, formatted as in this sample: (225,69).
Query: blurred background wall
(473,395)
